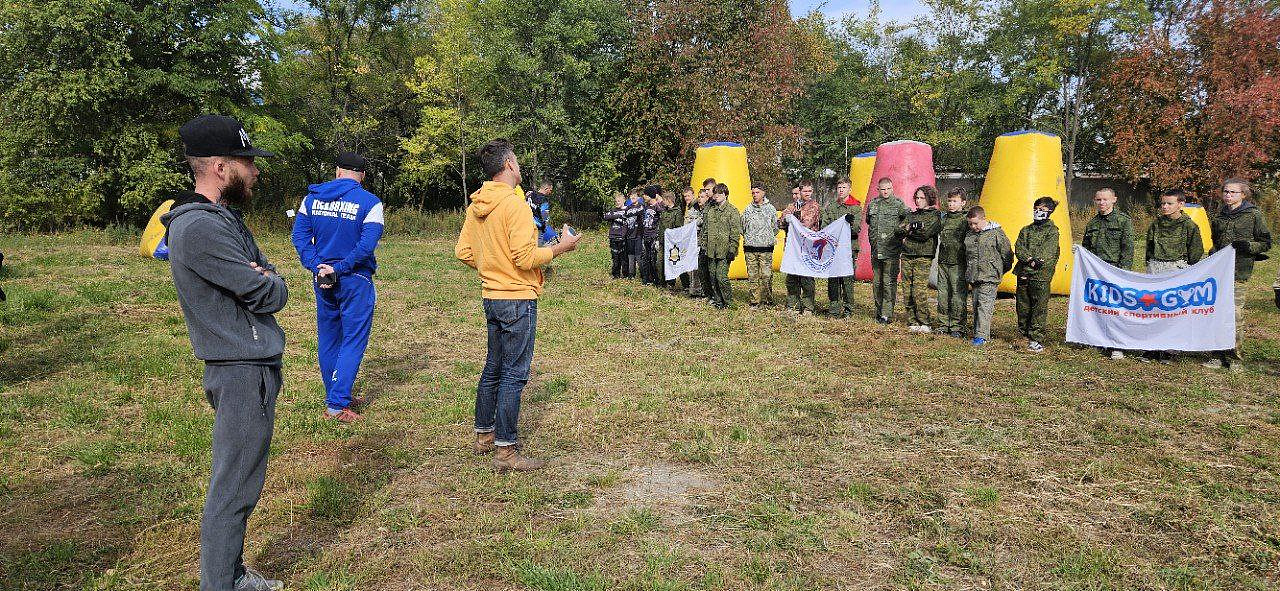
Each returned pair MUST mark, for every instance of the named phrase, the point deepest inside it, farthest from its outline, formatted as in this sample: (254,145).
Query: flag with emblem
(680,250)
(825,253)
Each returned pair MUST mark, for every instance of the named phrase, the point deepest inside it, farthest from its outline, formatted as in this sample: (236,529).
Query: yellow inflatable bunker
(152,243)
(1201,218)
(726,162)
(1025,166)
(860,169)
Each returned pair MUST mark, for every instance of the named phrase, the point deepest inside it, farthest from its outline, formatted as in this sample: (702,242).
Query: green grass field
(691,449)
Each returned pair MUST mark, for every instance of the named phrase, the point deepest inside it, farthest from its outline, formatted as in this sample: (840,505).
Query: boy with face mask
(1037,252)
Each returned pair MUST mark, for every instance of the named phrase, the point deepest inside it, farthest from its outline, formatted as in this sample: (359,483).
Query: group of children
(972,253)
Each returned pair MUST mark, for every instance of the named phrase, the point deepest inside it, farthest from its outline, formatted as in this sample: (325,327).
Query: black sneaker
(1277,298)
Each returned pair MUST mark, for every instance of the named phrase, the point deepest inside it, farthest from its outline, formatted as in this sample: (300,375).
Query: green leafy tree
(92,94)
(339,81)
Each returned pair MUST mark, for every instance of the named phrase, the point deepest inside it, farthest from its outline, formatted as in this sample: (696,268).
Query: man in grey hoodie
(228,293)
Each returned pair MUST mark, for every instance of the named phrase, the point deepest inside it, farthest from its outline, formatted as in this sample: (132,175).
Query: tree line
(599,95)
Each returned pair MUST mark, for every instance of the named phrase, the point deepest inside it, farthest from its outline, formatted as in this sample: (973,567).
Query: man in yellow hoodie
(500,241)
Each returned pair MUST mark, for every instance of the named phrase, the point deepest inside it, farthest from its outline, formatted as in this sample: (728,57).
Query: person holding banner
(724,230)
(840,289)
(1173,239)
(1109,236)
(1241,225)
(805,209)
(759,235)
(1037,252)
(672,217)
(704,265)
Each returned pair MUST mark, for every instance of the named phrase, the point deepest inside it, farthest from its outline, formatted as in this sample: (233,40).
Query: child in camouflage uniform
(1173,242)
(1109,235)
(987,258)
(723,226)
(952,289)
(1239,224)
(1037,251)
(919,243)
(840,289)
(884,218)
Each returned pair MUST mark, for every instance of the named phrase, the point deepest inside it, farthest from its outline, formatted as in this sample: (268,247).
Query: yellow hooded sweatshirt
(500,241)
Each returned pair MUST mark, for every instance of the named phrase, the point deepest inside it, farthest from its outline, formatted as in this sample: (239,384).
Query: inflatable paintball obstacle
(726,162)
(860,169)
(1025,166)
(153,243)
(909,164)
(1201,218)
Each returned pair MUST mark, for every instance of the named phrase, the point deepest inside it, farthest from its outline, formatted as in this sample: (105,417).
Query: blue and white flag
(680,250)
(825,253)
(1190,309)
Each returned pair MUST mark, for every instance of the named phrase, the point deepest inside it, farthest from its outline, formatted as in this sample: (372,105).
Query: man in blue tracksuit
(335,231)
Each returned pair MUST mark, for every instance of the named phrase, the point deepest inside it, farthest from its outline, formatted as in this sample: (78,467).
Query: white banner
(826,253)
(1191,309)
(680,250)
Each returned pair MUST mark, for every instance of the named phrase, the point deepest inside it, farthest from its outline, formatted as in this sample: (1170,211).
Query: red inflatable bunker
(909,164)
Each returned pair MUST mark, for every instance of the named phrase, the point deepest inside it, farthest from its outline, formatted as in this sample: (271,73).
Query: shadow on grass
(51,348)
(336,499)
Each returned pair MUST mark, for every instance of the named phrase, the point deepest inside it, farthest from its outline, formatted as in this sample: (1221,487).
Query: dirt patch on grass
(666,488)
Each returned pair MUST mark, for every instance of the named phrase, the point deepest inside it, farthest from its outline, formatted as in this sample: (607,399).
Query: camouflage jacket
(987,255)
(1037,241)
(1244,223)
(884,219)
(837,209)
(723,229)
(951,238)
(1174,240)
(1111,238)
(922,242)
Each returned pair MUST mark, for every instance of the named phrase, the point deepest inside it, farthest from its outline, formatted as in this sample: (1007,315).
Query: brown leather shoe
(509,458)
(484,443)
(345,416)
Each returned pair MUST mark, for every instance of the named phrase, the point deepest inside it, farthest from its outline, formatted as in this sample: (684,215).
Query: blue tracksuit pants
(344,315)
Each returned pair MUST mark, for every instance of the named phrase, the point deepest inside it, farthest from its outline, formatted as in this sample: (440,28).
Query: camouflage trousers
(953,296)
(800,293)
(840,295)
(884,285)
(718,288)
(915,272)
(1033,308)
(760,272)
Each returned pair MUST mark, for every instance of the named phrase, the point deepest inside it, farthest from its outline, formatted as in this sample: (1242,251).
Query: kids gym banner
(1192,309)
(680,250)
(825,253)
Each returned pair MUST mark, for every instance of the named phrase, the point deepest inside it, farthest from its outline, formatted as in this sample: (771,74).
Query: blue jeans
(512,325)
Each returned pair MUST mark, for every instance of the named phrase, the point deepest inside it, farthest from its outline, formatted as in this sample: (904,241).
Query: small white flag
(680,250)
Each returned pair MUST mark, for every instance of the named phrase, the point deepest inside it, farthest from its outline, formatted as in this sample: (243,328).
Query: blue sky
(898,10)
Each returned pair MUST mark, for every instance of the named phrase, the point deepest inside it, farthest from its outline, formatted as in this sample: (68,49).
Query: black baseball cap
(216,135)
(351,161)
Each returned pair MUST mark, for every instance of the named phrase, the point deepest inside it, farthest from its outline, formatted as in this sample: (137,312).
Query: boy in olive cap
(229,294)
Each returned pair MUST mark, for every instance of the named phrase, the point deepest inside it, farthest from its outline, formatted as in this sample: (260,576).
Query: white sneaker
(1117,354)
(1236,366)
(1035,347)
(925,329)
(1213,364)
(913,328)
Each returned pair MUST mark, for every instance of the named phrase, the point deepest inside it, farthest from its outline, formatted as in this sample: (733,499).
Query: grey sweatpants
(243,398)
(983,304)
